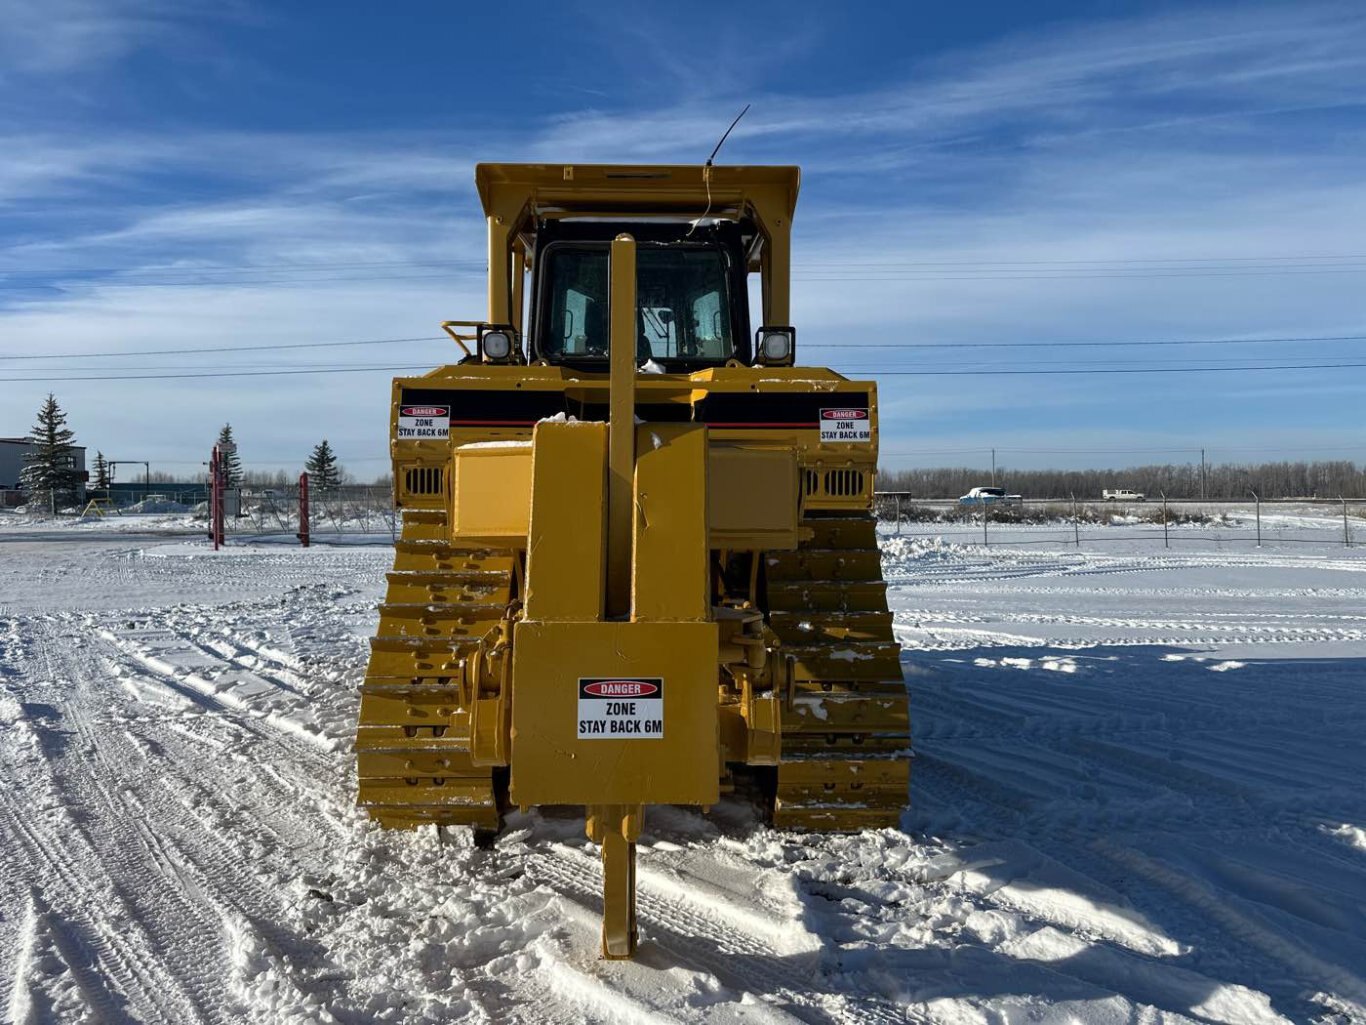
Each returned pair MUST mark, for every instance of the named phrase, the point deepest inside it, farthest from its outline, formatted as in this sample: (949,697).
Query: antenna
(706,170)
(727,135)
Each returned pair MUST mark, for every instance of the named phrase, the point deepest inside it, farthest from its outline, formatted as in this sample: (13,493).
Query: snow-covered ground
(1138,797)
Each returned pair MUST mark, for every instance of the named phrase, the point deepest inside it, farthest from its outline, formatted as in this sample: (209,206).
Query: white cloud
(58,36)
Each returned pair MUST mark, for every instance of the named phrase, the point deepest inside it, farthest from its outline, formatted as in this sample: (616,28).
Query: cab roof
(605,189)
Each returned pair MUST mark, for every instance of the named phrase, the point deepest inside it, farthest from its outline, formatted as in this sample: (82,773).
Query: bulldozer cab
(700,232)
(692,308)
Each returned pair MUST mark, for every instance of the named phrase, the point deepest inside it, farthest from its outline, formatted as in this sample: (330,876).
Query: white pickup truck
(1122,495)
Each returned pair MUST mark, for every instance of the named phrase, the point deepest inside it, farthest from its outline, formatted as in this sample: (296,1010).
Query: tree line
(52,479)
(1318,479)
(325,473)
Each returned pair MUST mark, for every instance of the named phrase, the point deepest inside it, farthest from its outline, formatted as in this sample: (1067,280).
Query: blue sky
(981,183)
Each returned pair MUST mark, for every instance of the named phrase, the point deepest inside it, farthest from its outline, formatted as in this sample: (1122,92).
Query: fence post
(1166,534)
(1076,523)
(986,514)
(1346,534)
(898,513)
(1258,500)
(216,497)
(213,498)
(303,509)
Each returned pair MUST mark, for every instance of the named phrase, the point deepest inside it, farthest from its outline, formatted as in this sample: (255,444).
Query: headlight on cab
(497,344)
(775,346)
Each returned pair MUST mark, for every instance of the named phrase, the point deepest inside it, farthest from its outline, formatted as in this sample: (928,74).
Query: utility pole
(1202,475)
(993,468)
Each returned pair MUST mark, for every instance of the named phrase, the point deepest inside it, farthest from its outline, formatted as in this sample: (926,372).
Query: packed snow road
(1138,797)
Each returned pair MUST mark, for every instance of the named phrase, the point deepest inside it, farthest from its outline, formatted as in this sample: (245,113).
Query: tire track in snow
(283,731)
(717,938)
(1348,987)
(208,890)
(317,781)
(72,873)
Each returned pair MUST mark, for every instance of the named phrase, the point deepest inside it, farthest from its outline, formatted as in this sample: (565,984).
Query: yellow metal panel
(777,268)
(621,431)
(491,493)
(552,765)
(753,501)
(566,558)
(586,189)
(670,574)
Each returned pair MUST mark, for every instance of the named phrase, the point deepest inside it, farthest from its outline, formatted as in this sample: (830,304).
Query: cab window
(682,311)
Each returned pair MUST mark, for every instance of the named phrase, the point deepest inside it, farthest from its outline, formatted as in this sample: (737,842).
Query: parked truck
(990,496)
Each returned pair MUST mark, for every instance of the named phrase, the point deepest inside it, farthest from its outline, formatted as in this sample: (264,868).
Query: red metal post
(303,509)
(216,498)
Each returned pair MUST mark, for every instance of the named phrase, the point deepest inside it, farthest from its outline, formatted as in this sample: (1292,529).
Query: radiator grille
(422,480)
(843,483)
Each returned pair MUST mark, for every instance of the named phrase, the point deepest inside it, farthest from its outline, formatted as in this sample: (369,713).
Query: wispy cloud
(59,36)
(1033,89)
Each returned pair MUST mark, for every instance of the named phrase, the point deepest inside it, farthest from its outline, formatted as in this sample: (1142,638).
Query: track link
(846,725)
(413,736)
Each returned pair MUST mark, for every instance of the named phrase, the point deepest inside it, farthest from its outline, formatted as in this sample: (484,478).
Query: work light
(775,346)
(496,344)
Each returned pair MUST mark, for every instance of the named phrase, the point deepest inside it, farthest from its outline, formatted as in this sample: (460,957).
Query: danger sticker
(621,708)
(846,425)
(421,423)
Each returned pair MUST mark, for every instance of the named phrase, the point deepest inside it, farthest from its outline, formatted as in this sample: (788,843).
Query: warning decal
(617,708)
(846,425)
(417,423)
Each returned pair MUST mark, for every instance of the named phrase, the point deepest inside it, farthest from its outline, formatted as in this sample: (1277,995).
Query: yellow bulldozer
(639,563)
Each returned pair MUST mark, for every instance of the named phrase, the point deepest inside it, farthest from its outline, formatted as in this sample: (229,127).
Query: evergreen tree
(229,464)
(49,475)
(100,473)
(323,472)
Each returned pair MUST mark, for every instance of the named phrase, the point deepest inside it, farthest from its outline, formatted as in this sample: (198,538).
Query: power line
(229,348)
(821,345)
(256,268)
(195,366)
(231,373)
(65,284)
(1077,276)
(1150,362)
(877,373)
(1042,345)
(1112,370)
(1120,260)
(1046,270)
(250,268)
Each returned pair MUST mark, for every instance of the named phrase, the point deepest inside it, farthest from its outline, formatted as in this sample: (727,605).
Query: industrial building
(13,454)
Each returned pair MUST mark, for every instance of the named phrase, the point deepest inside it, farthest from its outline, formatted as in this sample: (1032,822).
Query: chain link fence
(1336,522)
(249,512)
(350,509)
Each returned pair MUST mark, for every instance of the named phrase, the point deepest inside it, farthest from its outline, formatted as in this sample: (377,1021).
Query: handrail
(460,340)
